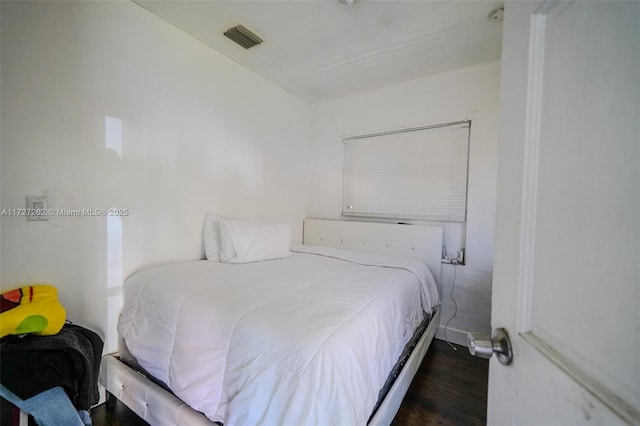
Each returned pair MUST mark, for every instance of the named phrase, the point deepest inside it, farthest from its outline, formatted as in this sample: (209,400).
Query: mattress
(306,339)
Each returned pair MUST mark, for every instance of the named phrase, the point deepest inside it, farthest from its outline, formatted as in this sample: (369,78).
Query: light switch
(37,208)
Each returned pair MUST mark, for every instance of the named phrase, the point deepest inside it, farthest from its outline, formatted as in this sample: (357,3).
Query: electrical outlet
(459,259)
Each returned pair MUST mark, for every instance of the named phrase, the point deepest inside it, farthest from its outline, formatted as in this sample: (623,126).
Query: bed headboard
(417,241)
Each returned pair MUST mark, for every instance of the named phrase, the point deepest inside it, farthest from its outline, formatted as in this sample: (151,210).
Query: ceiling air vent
(243,36)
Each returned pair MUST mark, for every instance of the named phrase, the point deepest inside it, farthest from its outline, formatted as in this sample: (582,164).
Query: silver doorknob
(483,346)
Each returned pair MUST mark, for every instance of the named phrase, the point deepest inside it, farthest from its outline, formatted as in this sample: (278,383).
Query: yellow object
(32,309)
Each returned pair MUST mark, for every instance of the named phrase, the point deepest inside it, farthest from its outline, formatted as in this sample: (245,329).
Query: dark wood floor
(450,388)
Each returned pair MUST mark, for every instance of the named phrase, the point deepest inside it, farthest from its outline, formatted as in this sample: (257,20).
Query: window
(417,173)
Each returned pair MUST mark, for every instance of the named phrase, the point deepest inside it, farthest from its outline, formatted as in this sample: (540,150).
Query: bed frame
(158,406)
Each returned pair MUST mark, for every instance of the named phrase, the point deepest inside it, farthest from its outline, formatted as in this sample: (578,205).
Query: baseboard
(453,335)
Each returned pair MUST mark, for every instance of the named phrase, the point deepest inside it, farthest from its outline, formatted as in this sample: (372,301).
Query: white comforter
(307,339)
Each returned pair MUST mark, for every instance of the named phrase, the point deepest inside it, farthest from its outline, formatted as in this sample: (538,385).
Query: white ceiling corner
(322,49)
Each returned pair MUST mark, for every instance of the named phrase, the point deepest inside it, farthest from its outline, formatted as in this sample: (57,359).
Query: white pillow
(211,236)
(244,241)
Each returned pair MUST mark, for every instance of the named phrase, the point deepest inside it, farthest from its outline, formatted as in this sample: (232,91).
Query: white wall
(470,92)
(199,133)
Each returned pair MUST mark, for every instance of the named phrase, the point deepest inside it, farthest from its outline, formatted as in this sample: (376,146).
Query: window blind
(417,173)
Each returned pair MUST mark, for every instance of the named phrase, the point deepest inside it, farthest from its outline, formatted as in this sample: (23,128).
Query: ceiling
(323,49)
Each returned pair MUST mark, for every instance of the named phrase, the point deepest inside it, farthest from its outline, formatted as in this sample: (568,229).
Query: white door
(566,278)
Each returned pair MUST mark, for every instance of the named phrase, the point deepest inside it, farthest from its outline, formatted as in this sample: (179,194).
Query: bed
(332,332)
